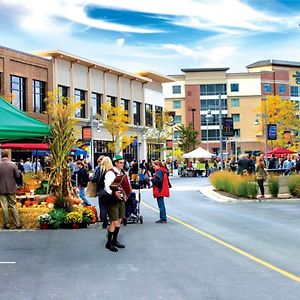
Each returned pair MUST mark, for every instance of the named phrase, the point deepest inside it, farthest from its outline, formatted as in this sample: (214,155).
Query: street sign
(272,132)
(86,133)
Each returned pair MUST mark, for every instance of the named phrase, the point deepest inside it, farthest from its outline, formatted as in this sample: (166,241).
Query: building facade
(25,80)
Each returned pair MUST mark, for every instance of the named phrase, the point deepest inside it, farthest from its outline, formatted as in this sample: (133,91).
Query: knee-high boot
(114,239)
(109,244)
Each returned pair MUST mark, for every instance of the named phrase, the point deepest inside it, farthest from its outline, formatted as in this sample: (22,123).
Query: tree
(188,137)
(61,111)
(283,113)
(116,121)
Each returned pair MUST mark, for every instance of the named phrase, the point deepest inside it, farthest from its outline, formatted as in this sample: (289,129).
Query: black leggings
(260,183)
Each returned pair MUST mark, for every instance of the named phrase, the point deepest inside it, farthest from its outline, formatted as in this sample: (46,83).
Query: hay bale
(28,217)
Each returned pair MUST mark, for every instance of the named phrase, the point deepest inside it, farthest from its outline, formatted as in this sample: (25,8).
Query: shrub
(57,218)
(294,185)
(252,189)
(273,183)
(242,188)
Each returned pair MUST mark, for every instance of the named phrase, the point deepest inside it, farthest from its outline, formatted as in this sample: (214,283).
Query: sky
(159,35)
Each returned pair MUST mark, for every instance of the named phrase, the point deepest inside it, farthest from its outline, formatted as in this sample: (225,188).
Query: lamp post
(92,137)
(207,117)
(256,122)
(220,129)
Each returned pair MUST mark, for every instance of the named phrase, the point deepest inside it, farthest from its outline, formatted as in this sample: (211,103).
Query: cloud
(120,42)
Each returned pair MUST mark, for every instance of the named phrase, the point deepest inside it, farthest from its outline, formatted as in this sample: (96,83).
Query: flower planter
(83,225)
(44,226)
(76,226)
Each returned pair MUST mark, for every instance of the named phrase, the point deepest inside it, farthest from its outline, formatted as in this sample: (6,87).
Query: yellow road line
(231,247)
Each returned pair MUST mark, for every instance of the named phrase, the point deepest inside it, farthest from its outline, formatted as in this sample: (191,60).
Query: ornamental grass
(273,183)
(294,185)
(230,182)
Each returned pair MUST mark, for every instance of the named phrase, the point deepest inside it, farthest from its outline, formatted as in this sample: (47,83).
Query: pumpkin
(50,199)
(34,203)
(27,203)
(19,204)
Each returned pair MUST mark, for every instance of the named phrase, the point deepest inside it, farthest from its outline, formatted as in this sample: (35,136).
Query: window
(125,104)
(112,100)
(237,132)
(213,104)
(294,91)
(235,102)
(158,116)
(236,117)
(234,87)
(18,90)
(212,89)
(176,104)
(267,88)
(80,96)
(213,135)
(213,120)
(96,104)
(63,91)
(137,113)
(176,89)
(38,96)
(177,119)
(281,88)
(149,114)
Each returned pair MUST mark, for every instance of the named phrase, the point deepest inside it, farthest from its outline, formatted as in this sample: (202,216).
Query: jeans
(162,208)
(82,196)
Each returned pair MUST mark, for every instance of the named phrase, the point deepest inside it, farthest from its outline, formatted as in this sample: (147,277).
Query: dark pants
(162,208)
(260,183)
(103,211)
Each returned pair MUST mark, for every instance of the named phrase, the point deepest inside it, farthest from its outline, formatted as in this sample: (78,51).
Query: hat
(118,157)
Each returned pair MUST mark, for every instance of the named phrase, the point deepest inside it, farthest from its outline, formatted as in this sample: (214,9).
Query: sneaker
(160,221)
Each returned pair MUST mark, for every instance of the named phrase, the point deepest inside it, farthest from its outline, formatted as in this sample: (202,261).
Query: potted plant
(44,221)
(74,218)
(57,217)
(87,217)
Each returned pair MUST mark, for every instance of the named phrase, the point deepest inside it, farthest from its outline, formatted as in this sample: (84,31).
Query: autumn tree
(61,111)
(116,121)
(283,113)
(188,137)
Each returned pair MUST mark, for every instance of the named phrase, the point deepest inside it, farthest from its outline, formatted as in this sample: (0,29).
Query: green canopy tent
(17,125)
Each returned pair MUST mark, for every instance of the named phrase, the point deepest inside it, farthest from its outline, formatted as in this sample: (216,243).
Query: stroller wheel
(124,222)
(141,219)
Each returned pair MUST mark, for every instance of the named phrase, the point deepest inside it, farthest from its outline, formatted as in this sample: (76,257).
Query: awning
(15,124)
(198,153)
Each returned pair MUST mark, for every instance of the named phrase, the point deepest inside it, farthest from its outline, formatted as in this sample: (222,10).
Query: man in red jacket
(161,187)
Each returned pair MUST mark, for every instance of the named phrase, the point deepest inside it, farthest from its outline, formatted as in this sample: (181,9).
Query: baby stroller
(132,205)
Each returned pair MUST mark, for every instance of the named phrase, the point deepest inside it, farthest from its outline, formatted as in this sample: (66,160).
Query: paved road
(208,250)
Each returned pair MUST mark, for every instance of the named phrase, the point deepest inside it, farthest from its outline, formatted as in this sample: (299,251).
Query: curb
(209,192)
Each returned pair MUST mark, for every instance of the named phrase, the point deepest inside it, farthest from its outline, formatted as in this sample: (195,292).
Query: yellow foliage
(116,121)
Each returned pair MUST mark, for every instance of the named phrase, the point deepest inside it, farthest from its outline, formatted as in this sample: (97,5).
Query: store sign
(86,133)
(297,77)
(272,132)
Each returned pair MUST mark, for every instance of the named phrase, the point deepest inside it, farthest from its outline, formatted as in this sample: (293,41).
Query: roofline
(91,63)
(204,70)
(156,76)
(24,53)
(274,62)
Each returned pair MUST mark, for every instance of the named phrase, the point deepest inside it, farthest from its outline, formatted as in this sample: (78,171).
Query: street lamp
(256,122)
(220,130)
(207,117)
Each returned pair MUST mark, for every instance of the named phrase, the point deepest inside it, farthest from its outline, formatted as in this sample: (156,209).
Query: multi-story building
(25,79)
(241,96)
(95,83)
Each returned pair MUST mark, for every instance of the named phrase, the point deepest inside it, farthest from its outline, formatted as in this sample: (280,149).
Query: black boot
(114,239)
(109,245)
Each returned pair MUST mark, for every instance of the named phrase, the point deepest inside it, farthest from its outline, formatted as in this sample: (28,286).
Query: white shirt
(109,179)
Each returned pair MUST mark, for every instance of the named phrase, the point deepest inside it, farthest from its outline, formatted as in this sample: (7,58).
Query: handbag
(91,190)
(122,184)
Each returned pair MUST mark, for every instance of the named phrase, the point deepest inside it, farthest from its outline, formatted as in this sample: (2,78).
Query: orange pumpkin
(34,203)
(50,199)
(27,203)
(19,204)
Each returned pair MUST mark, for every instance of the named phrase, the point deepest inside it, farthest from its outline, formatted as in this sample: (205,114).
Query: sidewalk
(209,192)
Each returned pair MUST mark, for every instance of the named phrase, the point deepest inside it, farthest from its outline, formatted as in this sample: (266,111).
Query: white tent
(198,153)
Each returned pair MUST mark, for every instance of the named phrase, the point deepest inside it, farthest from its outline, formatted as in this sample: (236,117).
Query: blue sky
(159,35)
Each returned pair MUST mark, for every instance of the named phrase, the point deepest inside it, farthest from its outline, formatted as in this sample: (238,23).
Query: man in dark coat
(8,175)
